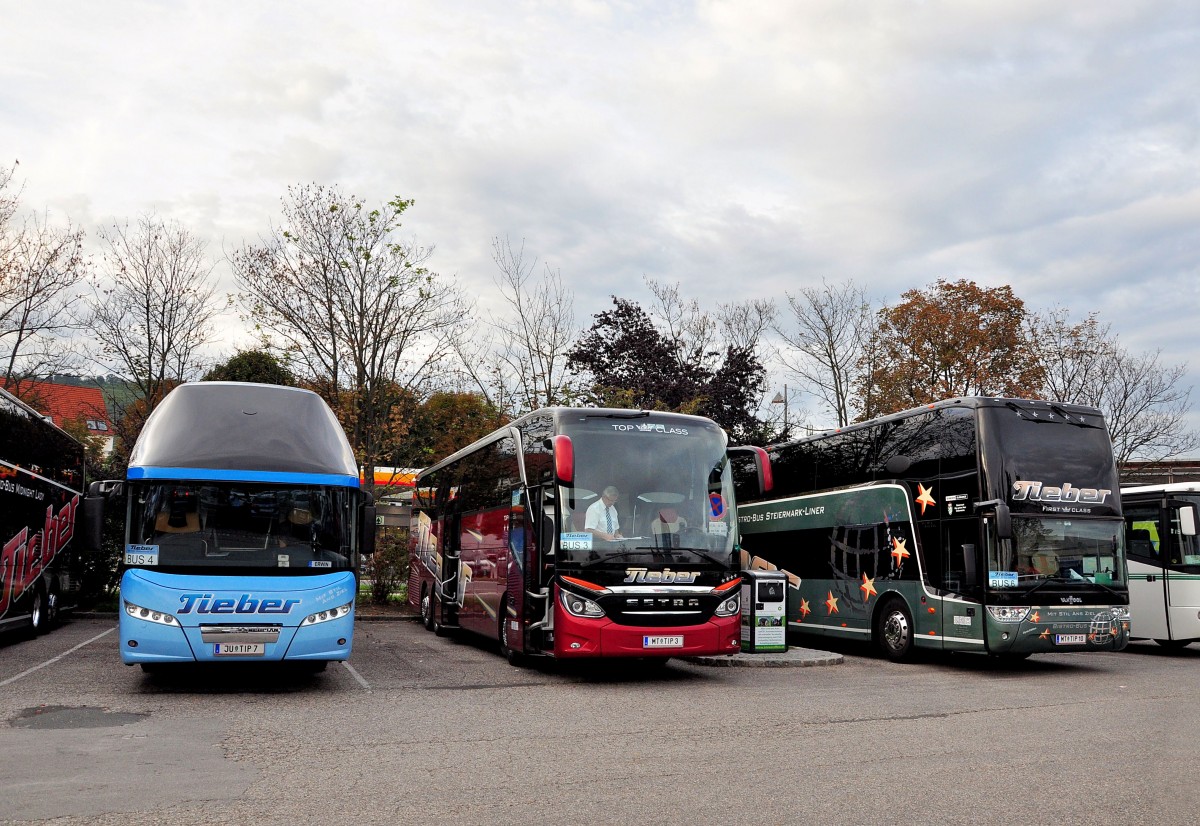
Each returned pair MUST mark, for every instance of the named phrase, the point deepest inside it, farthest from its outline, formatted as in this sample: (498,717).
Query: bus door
(961,615)
(522,546)
(1183,563)
(482,570)
(1147,568)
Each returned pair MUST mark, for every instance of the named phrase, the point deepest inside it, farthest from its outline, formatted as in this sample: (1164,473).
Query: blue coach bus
(245,522)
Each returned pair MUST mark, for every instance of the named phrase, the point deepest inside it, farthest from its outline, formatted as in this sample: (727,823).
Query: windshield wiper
(632,414)
(1065,580)
(610,557)
(671,552)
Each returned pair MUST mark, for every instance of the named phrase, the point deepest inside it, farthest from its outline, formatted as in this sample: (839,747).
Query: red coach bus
(583,533)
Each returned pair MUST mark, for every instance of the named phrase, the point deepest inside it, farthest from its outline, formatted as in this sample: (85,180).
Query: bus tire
(894,631)
(37,612)
(439,627)
(514,657)
(426,607)
(1173,644)
(51,607)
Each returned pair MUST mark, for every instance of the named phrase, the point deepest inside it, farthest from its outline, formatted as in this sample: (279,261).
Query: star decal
(831,604)
(1045,635)
(868,588)
(1036,617)
(925,497)
(804,609)
(899,552)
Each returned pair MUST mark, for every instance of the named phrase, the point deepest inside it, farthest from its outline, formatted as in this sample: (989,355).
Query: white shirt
(595,519)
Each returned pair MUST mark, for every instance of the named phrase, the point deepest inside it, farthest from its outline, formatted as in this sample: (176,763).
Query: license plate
(239,649)
(1070,639)
(675,641)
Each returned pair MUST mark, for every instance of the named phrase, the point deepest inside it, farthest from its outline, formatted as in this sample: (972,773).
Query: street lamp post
(781,398)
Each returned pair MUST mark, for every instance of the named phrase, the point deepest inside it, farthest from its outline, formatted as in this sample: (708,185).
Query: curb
(792,658)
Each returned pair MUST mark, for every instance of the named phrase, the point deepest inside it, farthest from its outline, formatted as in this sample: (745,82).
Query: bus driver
(601,520)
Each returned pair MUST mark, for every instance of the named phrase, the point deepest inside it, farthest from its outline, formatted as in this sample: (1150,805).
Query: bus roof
(237,431)
(557,414)
(971,402)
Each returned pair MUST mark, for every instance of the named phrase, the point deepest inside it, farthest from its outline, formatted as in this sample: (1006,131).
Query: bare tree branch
(354,310)
(154,310)
(1144,405)
(825,342)
(41,270)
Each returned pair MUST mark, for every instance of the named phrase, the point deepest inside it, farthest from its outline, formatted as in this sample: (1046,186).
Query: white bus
(1164,562)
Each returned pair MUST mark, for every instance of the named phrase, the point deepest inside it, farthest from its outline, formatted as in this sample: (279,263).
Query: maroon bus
(583,532)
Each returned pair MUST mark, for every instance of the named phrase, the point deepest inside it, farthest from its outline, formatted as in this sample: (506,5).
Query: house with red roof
(62,403)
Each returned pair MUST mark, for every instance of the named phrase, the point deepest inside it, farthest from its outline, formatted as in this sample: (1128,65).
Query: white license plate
(1070,639)
(239,649)
(675,641)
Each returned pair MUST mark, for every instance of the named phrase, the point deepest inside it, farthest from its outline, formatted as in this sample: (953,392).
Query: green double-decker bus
(973,524)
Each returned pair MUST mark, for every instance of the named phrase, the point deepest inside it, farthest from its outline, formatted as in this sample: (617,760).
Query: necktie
(608,517)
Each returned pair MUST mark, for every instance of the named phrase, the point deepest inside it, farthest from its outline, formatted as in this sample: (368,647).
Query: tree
(825,343)
(631,363)
(353,310)
(255,366)
(1141,399)
(155,310)
(954,339)
(522,364)
(444,423)
(693,364)
(41,268)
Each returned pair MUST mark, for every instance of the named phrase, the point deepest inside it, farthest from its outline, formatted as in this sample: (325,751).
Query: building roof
(67,402)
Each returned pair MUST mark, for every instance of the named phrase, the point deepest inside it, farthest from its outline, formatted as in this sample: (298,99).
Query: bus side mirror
(564,460)
(897,465)
(1003,522)
(366,528)
(763,477)
(1187,520)
(92,522)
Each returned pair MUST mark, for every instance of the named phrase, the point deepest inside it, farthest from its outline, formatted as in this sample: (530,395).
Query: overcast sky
(743,149)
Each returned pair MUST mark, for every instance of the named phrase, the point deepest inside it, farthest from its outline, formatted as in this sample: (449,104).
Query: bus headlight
(729,607)
(580,606)
(149,615)
(1008,613)
(326,616)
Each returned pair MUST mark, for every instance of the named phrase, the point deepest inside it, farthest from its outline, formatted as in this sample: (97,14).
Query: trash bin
(764,611)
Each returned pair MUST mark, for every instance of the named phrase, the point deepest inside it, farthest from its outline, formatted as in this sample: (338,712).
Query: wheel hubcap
(895,631)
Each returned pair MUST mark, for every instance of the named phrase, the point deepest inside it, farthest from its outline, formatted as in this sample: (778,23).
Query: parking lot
(422,729)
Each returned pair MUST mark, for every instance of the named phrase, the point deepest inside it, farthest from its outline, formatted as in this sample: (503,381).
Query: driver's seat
(666,526)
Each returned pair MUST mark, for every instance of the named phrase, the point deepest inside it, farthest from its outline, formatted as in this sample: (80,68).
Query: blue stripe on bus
(226,475)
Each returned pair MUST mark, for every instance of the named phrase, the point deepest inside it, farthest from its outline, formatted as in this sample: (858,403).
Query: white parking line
(53,660)
(353,673)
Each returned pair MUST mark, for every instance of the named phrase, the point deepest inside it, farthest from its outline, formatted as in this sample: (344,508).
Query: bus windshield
(648,490)
(226,525)
(1063,551)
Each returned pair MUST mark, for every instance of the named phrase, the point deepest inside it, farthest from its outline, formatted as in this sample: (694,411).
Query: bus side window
(1140,543)
(1141,530)
(1183,545)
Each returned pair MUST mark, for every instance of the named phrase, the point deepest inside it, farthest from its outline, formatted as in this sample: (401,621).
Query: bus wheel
(426,608)
(513,657)
(439,626)
(37,612)
(1173,643)
(894,631)
(51,607)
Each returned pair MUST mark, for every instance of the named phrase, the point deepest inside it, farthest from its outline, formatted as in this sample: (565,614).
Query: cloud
(742,149)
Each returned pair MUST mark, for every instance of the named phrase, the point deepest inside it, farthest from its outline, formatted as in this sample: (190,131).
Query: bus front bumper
(150,642)
(1048,628)
(601,637)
